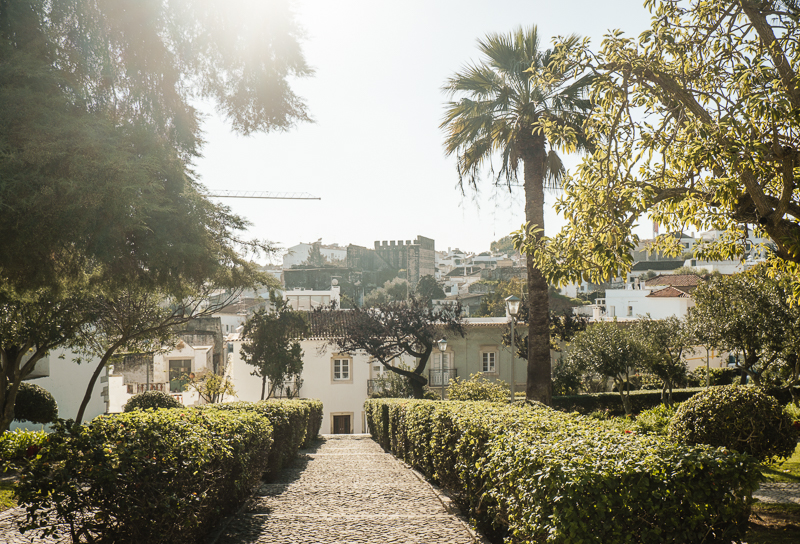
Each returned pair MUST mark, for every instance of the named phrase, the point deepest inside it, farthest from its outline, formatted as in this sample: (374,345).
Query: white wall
(67,383)
(641,304)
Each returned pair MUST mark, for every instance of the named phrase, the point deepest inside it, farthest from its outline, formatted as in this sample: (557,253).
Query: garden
(152,474)
(526,472)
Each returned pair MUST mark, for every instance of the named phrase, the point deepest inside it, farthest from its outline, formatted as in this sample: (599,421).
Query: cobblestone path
(347,490)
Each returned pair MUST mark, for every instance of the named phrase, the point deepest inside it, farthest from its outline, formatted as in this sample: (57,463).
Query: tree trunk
(539,384)
(626,401)
(90,388)
(263,385)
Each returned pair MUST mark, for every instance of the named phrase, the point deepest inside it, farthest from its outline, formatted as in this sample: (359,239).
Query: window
(341,370)
(630,311)
(179,370)
(489,360)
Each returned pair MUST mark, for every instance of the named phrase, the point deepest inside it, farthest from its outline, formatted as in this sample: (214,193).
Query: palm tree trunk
(539,384)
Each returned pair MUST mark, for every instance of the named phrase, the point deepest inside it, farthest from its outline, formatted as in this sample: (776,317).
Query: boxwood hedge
(533,474)
(158,476)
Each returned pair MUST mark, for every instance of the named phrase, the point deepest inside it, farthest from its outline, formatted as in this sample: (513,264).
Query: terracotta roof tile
(670,292)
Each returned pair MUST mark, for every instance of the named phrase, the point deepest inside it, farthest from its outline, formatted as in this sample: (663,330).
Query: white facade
(340,381)
(308,299)
(67,382)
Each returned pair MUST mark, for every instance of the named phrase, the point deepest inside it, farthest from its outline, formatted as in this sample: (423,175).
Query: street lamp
(442,343)
(512,305)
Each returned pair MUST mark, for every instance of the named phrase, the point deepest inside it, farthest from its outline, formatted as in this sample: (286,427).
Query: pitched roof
(327,324)
(670,292)
(675,280)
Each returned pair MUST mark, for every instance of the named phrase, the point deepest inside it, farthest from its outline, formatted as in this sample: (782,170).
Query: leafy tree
(610,351)
(211,387)
(315,256)
(394,329)
(393,290)
(98,134)
(503,245)
(666,343)
(493,304)
(504,101)
(694,125)
(272,345)
(394,386)
(429,289)
(749,313)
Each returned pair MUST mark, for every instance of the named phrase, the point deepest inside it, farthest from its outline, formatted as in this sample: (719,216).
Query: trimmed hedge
(532,474)
(290,424)
(314,421)
(151,399)
(163,476)
(641,400)
(160,476)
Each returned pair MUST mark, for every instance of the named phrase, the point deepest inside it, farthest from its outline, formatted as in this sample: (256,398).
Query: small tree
(211,387)
(610,351)
(750,314)
(665,343)
(395,329)
(393,290)
(430,289)
(272,345)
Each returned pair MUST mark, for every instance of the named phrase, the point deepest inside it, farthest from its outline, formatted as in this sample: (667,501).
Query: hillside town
(313,272)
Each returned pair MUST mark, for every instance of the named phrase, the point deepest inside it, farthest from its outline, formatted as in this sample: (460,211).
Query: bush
(314,421)
(19,446)
(655,420)
(164,476)
(35,404)
(640,400)
(151,399)
(717,376)
(478,388)
(737,417)
(290,423)
(531,474)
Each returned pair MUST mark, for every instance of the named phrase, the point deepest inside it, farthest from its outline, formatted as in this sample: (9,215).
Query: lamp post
(442,343)
(512,306)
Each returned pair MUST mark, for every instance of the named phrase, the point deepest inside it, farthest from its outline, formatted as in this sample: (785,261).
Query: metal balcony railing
(439,378)
(136,388)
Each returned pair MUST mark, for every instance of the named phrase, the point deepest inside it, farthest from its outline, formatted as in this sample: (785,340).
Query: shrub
(531,474)
(655,420)
(478,388)
(35,404)
(164,476)
(793,411)
(737,417)
(290,422)
(19,446)
(151,399)
(314,421)
(640,400)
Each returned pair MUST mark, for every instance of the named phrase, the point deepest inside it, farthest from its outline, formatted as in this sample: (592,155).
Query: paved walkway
(347,490)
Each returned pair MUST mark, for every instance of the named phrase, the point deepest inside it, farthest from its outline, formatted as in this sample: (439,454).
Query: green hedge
(163,476)
(290,420)
(640,400)
(532,474)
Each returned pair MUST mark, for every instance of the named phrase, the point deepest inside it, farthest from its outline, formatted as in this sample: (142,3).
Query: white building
(297,255)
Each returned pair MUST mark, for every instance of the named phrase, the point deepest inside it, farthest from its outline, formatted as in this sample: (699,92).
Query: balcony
(136,388)
(439,378)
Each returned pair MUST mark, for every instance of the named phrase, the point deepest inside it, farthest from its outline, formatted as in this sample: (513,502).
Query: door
(341,424)
(440,371)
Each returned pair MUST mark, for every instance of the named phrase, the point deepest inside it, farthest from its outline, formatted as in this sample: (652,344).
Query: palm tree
(496,108)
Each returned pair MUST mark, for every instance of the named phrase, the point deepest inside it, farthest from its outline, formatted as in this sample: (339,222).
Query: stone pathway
(347,490)
(778,493)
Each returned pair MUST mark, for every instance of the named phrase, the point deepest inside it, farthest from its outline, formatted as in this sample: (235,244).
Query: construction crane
(222,193)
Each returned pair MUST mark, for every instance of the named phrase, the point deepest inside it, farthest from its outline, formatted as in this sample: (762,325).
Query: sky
(374,154)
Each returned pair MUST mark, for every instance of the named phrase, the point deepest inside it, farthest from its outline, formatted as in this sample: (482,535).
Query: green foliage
(503,245)
(211,387)
(566,378)
(430,289)
(477,387)
(19,446)
(530,474)
(684,131)
(639,401)
(393,290)
(737,417)
(151,400)
(717,376)
(291,421)
(392,385)
(793,411)
(665,343)
(145,476)
(35,404)
(272,344)
(655,420)
(610,351)
(749,313)
(493,304)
